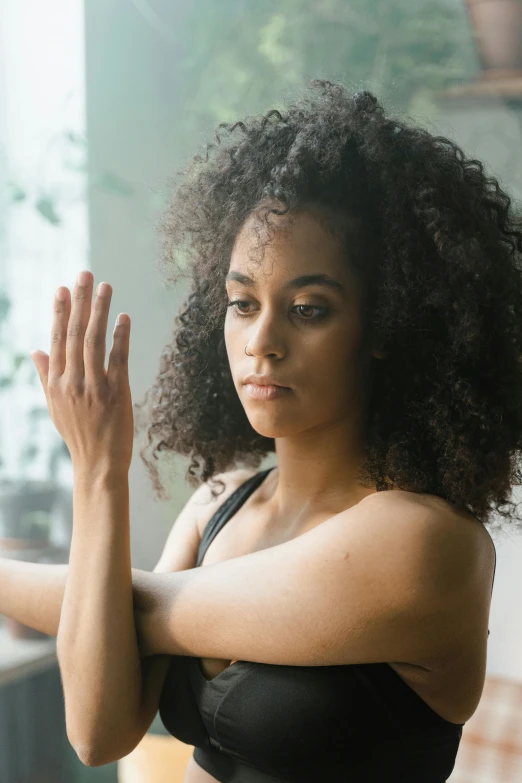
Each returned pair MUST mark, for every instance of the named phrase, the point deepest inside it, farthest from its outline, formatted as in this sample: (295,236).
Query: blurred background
(100,102)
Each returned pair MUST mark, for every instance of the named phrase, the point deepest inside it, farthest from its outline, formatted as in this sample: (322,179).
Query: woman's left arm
(97,645)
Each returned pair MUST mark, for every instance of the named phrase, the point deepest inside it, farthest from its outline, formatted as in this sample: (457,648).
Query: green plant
(10,374)
(395,48)
(47,200)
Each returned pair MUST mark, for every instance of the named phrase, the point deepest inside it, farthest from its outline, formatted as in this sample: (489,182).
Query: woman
(355,309)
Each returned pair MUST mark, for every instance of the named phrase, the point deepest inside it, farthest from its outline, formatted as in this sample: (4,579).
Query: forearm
(96,641)
(32,593)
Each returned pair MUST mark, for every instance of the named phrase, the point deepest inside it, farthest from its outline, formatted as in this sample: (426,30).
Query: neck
(316,473)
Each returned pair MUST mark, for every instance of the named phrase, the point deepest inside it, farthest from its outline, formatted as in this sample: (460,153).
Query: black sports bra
(266,723)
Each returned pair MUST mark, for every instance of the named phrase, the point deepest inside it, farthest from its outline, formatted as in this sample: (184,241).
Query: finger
(118,369)
(62,307)
(41,362)
(78,321)
(95,336)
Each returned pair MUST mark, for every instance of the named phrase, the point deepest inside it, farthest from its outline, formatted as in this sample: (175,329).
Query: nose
(266,337)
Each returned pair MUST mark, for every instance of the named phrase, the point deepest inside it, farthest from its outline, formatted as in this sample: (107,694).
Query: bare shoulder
(463,544)
(206,505)
(430,509)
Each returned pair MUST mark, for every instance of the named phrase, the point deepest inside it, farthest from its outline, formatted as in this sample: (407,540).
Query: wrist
(100,476)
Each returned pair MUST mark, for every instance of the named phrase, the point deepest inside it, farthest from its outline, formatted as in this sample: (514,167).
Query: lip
(264,380)
(266,391)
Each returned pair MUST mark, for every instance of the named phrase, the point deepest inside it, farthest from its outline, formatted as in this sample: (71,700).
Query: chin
(270,427)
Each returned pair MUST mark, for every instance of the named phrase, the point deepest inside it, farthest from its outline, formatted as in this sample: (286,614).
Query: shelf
(494,85)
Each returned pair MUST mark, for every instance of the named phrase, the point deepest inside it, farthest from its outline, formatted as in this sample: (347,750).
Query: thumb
(41,362)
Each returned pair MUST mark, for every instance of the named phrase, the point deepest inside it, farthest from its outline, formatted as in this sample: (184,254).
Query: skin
(316,425)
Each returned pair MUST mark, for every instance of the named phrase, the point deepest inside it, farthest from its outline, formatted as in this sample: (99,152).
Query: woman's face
(304,335)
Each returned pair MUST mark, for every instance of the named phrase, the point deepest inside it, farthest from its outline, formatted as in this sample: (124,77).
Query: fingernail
(83,277)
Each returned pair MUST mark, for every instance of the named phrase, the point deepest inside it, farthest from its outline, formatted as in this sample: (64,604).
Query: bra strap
(227,510)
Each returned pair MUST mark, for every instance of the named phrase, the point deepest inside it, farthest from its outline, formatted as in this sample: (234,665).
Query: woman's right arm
(32,593)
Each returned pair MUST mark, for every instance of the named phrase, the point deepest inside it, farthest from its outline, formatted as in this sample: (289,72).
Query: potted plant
(26,505)
(498,29)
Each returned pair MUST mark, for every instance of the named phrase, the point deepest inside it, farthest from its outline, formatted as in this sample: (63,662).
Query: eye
(235,303)
(323,311)
(308,307)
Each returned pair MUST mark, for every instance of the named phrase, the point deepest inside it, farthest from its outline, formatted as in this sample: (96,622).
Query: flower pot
(498,30)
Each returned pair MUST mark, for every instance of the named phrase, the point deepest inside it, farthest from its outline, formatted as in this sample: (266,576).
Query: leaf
(115,184)
(19,359)
(16,192)
(38,413)
(45,207)
(5,306)
(75,138)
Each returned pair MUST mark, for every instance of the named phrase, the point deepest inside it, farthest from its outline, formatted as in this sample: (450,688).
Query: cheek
(332,365)
(231,327)
(228,334)
(333,352)
(234,344)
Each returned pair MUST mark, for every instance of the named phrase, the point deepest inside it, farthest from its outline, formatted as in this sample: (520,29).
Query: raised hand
(90,407)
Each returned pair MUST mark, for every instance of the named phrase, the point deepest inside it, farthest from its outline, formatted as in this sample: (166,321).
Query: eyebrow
(297,282)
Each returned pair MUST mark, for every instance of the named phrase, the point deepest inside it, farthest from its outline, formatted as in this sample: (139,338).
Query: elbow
(85,747)
(88,755)
(92,754)
(91,757)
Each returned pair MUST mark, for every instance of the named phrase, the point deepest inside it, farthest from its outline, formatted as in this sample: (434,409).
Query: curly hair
(436,246)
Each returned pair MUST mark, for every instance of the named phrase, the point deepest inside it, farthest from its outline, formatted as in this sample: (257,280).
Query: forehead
(295,244)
